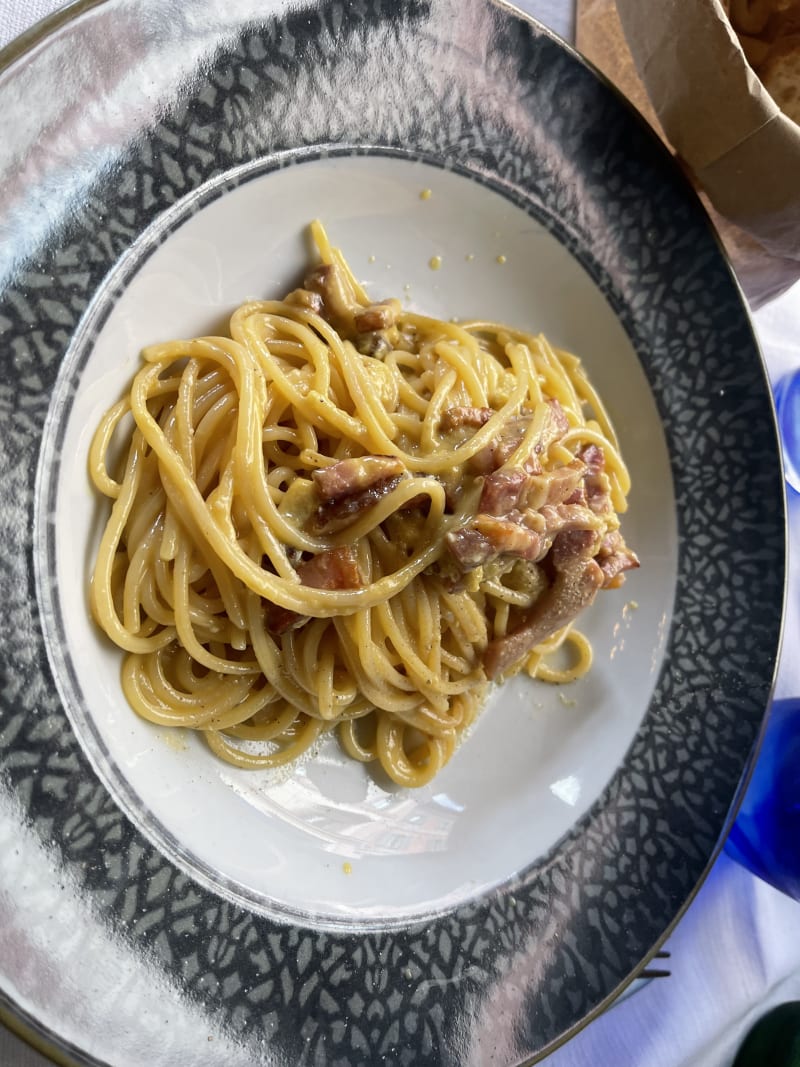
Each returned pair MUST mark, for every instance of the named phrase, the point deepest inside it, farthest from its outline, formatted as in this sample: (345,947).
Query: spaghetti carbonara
(350,515)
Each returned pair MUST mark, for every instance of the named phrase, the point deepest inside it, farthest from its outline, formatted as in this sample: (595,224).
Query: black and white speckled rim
(28,43)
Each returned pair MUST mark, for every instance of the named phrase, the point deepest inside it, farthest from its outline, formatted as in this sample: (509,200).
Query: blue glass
(766,835)
(787,405)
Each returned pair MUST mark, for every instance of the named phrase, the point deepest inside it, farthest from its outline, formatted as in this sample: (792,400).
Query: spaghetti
(349,515)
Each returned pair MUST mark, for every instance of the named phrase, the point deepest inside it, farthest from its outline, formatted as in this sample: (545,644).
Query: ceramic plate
(161,907)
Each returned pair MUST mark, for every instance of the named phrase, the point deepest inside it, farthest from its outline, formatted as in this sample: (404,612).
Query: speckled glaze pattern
(498,981)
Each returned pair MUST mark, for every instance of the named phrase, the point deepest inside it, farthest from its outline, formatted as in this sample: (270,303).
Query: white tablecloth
(737,950)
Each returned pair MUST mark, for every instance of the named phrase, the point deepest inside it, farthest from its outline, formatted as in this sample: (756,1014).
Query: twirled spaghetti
(347,514)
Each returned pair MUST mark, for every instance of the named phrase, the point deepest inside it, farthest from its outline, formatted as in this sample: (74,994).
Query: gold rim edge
(16,1024)
(20,46)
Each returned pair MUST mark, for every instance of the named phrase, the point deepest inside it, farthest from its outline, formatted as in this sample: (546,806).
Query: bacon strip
(304,298)
(510,438)
(615,558)
(595,482)
(573,545)
(329,282)
(335,515)
(572,590)
(469,547)
(454,418)
(555,426)
(494,455)
(377,316)
(350,476)
(352,486)
(562,482)
(513,487)
(509,536)
(528,535)
(559,518)
(333,568)
(502,491)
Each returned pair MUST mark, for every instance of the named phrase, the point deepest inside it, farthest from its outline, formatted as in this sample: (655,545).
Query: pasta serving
(350,515)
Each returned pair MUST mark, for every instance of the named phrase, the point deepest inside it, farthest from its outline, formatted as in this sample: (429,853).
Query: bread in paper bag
(687,61)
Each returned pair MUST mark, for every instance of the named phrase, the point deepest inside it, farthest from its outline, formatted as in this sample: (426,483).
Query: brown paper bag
(682,65)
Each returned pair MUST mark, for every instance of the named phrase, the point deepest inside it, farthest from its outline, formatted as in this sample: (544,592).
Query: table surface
(736,952)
